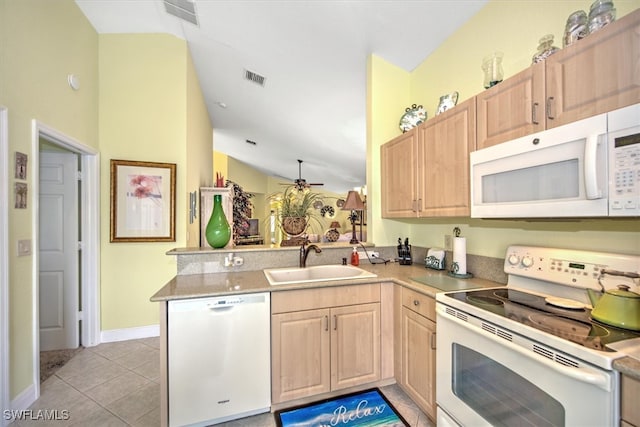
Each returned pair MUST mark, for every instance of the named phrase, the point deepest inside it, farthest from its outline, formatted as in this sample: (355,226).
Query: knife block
(404,255)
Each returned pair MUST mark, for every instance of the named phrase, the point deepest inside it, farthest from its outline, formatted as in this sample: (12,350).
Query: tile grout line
(128,370)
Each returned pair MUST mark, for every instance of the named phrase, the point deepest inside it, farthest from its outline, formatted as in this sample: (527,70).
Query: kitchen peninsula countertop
(242,282)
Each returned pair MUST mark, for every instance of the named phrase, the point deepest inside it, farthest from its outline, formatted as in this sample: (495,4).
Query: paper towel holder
(454,265)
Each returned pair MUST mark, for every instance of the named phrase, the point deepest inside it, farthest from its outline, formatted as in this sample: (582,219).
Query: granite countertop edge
(243,282)
(628,366)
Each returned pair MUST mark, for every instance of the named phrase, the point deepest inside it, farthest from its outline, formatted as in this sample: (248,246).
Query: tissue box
(435,259)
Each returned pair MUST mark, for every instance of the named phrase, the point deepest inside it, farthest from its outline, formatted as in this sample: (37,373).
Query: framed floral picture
(143,201)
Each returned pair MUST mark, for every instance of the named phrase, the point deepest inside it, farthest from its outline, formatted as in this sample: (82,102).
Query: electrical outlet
(448,242)
(363,255)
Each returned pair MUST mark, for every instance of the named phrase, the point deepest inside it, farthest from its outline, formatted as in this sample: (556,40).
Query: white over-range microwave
(589,168)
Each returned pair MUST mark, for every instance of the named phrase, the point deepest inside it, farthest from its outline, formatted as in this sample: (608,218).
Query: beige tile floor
(117,384)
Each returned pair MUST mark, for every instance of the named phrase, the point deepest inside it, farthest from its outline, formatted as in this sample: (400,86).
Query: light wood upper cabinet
(592,76)
(425,172)
(399,170)
(599,73)
(444,144)
(513,108)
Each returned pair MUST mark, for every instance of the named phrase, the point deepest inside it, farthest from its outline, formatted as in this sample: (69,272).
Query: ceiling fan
(301,183)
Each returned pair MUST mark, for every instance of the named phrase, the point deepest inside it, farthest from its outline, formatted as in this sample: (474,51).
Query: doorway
(58,251)
(84,236)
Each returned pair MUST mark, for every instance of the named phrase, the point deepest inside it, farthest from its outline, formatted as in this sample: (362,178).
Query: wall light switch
(24,247)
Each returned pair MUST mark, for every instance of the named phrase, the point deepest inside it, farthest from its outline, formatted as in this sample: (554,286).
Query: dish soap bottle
(355,258)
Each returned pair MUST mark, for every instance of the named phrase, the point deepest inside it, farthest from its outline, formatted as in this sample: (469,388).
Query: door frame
(5,402)
(90,226)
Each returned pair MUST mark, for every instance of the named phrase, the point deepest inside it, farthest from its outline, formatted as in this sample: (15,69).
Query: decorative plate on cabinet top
(446,102)
(412,117)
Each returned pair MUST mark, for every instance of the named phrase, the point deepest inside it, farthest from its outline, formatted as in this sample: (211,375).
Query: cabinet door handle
(433,341)
(534,113)
(335,322)
(416,302)
(326,323)
(549,102)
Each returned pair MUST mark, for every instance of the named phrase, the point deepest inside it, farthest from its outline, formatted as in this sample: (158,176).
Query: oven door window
(499,395)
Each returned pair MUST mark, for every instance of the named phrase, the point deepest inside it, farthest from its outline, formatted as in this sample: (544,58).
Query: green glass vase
(218,231)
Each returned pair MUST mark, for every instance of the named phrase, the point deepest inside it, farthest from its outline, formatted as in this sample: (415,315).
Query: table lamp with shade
(353,203)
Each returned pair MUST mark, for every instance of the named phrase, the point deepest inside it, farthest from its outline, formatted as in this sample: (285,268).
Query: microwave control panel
(624,165)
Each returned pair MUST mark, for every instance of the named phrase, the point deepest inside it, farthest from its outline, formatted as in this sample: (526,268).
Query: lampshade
(353,202)
(335,224)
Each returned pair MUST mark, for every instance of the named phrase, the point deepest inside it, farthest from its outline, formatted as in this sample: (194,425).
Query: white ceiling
(313,55)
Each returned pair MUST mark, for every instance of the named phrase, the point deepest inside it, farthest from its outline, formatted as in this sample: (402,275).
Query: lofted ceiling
(312,55)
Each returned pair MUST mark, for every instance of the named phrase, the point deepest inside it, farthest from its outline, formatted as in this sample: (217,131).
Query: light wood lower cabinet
(630,411)
(318,350)
(300,354)
(419,350)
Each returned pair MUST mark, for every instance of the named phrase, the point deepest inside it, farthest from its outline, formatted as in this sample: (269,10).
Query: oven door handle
(580,374)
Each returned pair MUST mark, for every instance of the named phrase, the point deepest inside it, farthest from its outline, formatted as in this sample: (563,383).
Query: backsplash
(204,261)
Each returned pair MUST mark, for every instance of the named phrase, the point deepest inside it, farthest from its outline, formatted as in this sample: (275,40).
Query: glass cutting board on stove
(445,283)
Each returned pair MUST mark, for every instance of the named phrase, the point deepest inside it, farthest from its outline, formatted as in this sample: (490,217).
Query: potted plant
(296,210)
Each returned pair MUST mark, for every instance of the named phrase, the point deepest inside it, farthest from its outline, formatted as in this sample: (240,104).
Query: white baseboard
(114,335)
(24,399)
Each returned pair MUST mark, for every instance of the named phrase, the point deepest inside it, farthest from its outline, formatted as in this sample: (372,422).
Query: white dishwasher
(219,358)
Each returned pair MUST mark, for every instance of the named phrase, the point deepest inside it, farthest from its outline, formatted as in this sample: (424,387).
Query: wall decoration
(20,191)
(143,201)
(446,102)
(21,166)
(242,208)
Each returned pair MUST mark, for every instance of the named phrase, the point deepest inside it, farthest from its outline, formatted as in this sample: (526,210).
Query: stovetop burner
(571,324)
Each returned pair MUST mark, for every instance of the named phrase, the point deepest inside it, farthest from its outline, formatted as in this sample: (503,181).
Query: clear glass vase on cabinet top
(545,49)
(492,67)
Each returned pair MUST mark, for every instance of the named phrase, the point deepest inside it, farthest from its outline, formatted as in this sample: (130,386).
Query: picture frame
(143,201)
(21,166)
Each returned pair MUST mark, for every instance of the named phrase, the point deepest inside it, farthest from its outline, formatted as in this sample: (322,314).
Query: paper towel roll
(460,254)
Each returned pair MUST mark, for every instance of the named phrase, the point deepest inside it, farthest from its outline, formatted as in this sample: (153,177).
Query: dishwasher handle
(217,303)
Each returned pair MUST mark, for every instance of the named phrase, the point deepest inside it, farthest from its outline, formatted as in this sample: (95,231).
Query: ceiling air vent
(183,9)
(254,77)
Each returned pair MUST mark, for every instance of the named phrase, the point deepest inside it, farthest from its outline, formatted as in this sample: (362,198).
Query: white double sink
(316,273)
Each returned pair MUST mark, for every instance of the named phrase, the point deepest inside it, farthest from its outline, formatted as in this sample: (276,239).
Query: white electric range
(529,353)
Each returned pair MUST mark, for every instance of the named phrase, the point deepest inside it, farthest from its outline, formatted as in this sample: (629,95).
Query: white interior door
(58,251)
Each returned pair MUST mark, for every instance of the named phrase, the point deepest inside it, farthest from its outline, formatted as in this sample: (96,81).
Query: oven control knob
(527,261)
(514,259)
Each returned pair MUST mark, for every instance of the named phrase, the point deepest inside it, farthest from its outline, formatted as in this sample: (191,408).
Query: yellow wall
(220,164)
(199,150)
(41,41)
(388,94)
(140,73)
(455,66)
